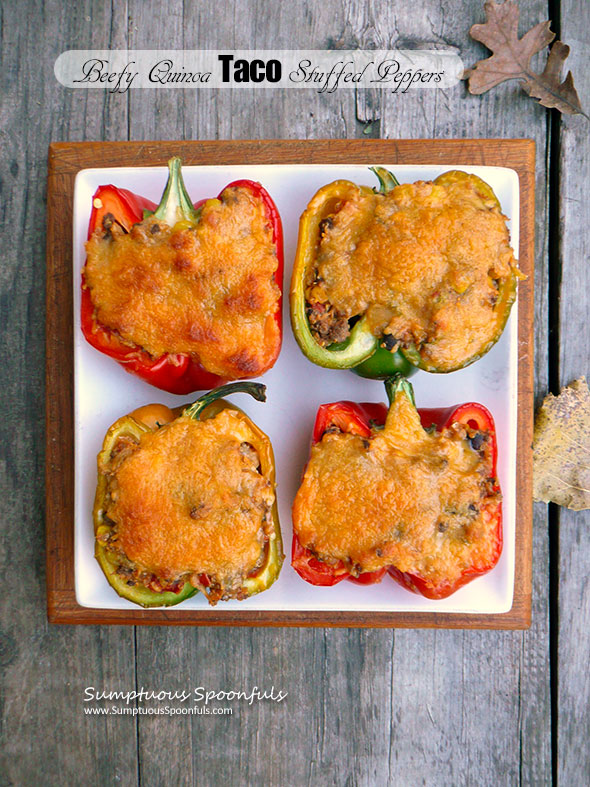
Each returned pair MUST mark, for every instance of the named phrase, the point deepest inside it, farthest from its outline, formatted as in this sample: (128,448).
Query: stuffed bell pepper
(186,502)
(419,275)
(413,493)
(185,296)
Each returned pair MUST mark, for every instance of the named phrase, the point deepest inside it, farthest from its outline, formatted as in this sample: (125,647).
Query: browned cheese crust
(189,499)
(206,289)
(423,262)
(402,497)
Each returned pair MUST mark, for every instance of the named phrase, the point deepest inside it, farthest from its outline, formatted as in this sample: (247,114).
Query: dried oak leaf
(511,59)
(561,450)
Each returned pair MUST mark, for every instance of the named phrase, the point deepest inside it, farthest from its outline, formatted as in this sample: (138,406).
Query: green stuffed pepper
(412,276)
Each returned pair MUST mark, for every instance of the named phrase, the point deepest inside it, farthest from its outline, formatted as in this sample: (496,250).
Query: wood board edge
(67,158)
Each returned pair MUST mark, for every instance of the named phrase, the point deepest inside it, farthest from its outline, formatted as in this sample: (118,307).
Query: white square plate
(295,388)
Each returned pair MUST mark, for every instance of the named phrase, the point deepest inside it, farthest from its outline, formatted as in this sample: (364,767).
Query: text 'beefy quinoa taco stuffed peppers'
(187,502)
(185,296)
(418,275)
(412,493)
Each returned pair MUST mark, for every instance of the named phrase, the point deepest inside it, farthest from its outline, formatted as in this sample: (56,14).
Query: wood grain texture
(45,737)
(471,737)
(573,625)
(366,707)
(65,160)
(294,744)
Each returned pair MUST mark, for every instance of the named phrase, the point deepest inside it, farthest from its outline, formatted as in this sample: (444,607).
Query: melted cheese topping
(401,497)
(189,500)
(207,289)
(424,262)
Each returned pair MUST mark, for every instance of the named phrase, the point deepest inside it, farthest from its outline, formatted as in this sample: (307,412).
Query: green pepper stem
(256,390)
(175,204)
(387,181)
(398,383)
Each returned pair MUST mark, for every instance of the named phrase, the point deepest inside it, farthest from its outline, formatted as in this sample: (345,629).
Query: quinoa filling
(204,518)
(428,264)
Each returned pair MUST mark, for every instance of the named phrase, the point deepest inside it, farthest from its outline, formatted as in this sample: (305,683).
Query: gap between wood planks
(554,144)
(553,340)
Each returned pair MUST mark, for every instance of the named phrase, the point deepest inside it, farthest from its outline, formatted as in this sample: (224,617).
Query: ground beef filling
(423,502)
(425,264)
(206,289)
(189,503)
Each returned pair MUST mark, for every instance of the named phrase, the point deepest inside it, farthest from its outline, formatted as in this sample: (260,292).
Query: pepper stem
(256,390)
(175,204)
(397,383)
(387,181)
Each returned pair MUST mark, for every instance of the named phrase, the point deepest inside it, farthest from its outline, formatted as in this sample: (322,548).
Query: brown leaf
(561,450)
(548,88)
(511,59)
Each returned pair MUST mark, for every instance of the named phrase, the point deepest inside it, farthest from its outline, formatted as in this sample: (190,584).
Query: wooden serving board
(65,160)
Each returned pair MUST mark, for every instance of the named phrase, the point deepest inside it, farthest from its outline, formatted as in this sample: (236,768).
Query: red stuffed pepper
(185,296)
(413,493)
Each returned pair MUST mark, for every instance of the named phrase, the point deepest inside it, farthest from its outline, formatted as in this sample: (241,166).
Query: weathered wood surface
(364,707)
(573,257)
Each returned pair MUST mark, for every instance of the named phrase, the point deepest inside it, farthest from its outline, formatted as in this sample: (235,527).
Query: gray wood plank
(165,746)
(574,530)
(482,712)
(317,668)
(370,707)
(237,747)
(259,114)
(46,738)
